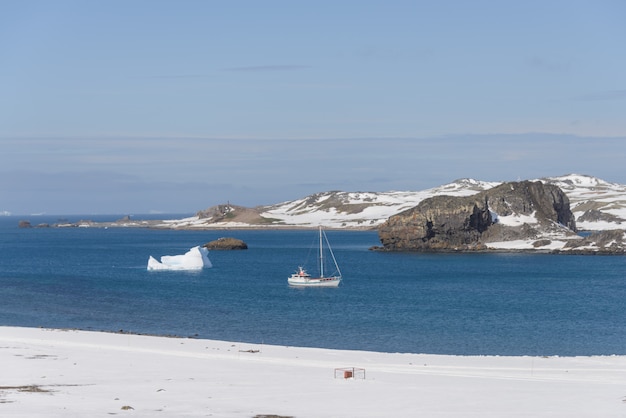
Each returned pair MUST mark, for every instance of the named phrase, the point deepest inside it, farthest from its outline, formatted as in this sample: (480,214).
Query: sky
(175,106)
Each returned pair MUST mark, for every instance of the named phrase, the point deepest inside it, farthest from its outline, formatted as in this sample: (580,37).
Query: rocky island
(226,243)
(512,216)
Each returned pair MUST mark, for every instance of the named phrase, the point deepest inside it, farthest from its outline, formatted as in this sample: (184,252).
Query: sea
(454,303)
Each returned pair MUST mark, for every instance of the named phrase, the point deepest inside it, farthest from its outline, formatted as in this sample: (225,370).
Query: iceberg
(196,258)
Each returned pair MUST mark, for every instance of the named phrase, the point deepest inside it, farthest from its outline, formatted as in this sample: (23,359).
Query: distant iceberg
(196,258)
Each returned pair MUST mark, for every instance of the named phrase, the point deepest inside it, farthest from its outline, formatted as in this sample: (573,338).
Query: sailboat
(302,278)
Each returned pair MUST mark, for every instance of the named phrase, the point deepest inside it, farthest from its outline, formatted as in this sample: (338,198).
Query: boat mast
(321,255)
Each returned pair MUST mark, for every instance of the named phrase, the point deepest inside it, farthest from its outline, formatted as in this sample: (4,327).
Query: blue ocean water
(504,304)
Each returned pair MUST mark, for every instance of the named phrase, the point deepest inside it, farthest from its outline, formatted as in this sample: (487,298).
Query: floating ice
(195,259)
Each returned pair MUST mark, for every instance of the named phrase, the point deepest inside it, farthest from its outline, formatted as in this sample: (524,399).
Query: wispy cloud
(602,95)
(268,68)
(548,64)
(177,76)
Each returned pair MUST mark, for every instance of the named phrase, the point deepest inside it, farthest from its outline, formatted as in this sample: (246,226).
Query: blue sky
(174,106)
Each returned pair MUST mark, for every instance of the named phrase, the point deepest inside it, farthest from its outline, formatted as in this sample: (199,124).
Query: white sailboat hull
(303,279)
(296,280)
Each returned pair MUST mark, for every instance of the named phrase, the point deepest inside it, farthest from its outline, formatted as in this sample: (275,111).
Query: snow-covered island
(597,206)
(527,215)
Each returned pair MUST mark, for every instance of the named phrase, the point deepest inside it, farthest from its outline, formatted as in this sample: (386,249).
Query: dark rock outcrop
(602,242)
(226,243)
(466,223)
(24,224)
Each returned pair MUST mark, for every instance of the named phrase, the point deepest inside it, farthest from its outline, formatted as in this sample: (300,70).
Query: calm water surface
(507,304)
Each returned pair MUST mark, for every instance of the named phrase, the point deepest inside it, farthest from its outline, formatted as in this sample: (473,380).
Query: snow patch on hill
(515,219)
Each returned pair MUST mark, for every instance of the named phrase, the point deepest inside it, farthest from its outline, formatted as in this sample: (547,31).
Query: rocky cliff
(511,211)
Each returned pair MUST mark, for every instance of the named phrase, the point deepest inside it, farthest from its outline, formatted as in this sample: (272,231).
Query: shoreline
(170,225)
(64,372)
(356,350)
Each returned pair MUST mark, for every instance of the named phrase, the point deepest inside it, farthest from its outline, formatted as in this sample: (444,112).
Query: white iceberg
(196,258)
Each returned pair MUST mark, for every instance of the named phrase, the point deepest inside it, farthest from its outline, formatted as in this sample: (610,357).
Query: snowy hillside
(596,204)
(361,209)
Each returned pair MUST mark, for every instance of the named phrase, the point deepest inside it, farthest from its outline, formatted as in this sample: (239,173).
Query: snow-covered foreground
(55,373)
